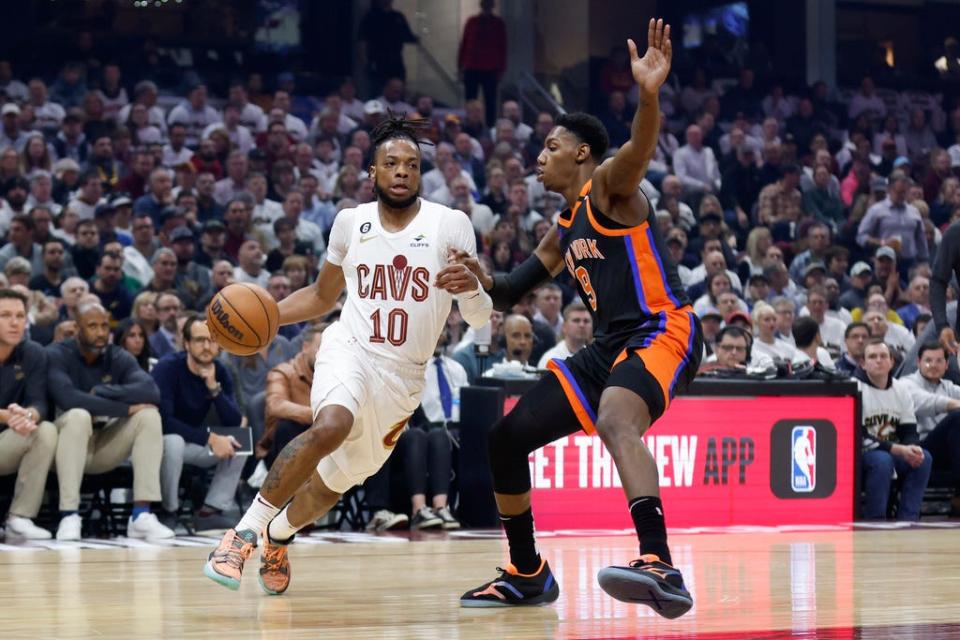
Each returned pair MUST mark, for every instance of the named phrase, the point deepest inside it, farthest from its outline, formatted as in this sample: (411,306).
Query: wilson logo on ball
(224,319)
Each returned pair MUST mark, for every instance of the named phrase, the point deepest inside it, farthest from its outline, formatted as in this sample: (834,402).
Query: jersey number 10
(396,327)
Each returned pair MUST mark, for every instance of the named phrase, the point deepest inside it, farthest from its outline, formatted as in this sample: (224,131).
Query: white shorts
(381,395)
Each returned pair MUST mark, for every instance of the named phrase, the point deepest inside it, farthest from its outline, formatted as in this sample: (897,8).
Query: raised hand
(948,340)
(651,70)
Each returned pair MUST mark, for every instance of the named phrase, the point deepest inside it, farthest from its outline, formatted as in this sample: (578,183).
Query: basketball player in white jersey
(392,255)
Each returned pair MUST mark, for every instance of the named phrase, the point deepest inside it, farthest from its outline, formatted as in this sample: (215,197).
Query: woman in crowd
(36,156)
(132,336)
(751,263)
(495,192)
(145,311)
(717,283)
(765,328)
(947,201)
(348,180)
(298,270)
(138,122)
(9,164)
(502,257)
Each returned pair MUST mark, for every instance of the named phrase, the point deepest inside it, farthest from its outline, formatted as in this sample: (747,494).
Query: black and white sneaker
(384,520)
(425,518)
(449,522)
(648,581)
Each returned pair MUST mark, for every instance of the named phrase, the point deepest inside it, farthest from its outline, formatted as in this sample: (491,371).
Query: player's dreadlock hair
(396,126)
(588,129)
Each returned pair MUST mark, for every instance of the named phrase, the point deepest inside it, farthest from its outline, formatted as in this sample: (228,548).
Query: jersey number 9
(584,279)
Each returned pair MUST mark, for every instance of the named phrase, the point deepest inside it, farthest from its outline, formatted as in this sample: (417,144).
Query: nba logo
(803,478)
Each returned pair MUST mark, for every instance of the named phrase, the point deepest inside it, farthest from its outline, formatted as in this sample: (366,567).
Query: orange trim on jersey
(656,298)
(583,416)
(602,230)
(566,222)
(620,358)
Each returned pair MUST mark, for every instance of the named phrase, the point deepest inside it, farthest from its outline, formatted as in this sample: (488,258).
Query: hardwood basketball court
(749,583)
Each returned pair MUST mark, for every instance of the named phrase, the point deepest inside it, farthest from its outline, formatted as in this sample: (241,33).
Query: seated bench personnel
(27,443)
(110,407)
(191,382)
(288,412)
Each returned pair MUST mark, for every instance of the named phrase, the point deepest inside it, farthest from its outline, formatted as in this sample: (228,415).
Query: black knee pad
(508,453)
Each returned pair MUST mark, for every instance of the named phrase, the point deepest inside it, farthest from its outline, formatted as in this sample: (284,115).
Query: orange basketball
(243,318)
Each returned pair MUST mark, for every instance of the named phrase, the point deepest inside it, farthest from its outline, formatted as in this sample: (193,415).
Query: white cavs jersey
(392,308)
(373,361)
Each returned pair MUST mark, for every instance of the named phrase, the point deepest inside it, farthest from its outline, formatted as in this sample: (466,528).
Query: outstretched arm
(312,302)
(620,176)
(507,290)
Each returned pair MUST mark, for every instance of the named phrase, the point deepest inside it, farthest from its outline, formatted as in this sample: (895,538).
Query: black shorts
(654,366)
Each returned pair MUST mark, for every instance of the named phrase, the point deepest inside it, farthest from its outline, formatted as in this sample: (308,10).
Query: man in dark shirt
(384,31)
(191,383)
(108,286)
(163,340)
(110,414)
(190,275)
(86,250)
(48,282)
(27,444)
(855,338)
(945,267)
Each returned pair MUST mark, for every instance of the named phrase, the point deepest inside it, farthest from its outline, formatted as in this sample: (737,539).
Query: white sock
(258,516)
(280,528)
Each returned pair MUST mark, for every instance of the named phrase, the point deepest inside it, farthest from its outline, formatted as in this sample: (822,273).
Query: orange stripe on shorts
(583,416)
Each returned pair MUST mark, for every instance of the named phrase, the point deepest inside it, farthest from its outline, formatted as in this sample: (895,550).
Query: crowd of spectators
(803,224)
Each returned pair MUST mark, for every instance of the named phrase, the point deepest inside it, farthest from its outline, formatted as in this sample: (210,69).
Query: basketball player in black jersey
(647,346)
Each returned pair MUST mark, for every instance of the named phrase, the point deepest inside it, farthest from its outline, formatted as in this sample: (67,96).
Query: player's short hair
(588,129)
(396,126)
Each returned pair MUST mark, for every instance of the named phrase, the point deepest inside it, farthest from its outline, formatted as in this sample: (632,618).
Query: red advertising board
(723,461)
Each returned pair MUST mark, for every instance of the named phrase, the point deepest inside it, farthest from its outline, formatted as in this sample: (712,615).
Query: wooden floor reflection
(865,584)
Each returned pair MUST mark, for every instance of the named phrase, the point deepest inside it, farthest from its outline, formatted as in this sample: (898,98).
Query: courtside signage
(722,462)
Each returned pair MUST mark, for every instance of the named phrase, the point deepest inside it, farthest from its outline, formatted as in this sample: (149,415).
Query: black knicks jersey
(625,277)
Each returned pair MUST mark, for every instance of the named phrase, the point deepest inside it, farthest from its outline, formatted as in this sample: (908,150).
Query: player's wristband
(510,288)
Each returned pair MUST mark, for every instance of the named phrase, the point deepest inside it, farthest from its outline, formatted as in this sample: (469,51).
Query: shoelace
(237,553)
(273,558)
